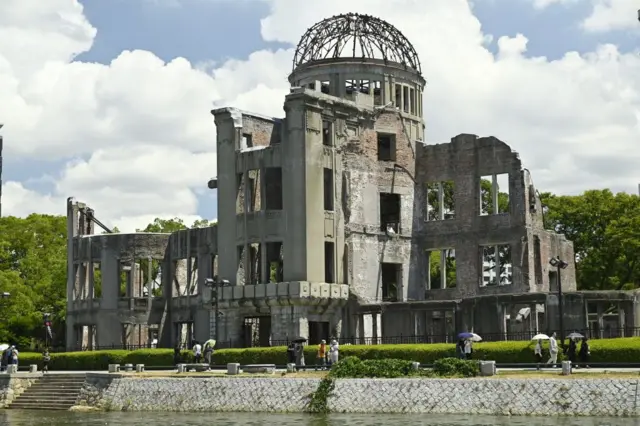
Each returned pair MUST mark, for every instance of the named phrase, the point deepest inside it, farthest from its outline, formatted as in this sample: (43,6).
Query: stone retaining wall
(12,385)
(584,397)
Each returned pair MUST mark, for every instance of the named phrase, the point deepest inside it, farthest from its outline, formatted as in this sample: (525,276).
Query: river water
(66,418)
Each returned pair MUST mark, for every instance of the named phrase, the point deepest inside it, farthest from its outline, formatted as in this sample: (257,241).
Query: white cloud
(143,139)
(612,15)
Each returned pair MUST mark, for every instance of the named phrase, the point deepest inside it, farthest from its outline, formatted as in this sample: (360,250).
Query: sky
(109,101)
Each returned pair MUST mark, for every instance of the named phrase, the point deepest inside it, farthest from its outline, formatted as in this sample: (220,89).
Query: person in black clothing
(176,354)
(460,349)
(291,353)
(572,351)
(584,352)
(45,361)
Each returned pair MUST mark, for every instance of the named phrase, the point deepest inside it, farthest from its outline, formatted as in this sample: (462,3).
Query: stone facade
(11,386)
(551,397)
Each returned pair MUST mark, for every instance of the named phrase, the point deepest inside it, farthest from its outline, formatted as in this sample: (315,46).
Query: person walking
(571,353)
(553,350)
(584,353)
(299,351)
(45,361)
(291,353)
(176,354)
(537,352)
(197,352)
(460,349)
(208,352)
(321,356)
(333,352)
(468,349)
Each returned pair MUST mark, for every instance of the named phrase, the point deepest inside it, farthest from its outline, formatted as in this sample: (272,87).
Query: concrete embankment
(552,397)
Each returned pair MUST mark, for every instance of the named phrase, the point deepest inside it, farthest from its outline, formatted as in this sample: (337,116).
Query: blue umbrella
(469,336)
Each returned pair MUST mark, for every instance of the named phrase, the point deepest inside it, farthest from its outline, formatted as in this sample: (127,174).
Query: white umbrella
(4,347)
(540,337)
(475,337)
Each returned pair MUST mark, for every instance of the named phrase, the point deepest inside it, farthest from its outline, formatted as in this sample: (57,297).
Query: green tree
(33,270)
(605,230)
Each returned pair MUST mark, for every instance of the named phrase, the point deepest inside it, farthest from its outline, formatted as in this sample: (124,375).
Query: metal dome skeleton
(355,36)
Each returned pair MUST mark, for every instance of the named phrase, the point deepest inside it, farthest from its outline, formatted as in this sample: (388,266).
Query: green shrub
(352,367)
(456,367)
(609,350)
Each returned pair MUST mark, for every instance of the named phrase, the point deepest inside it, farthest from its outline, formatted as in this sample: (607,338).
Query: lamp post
(214,284)
(559,264)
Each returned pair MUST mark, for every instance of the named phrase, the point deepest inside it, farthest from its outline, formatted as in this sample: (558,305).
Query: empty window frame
(386,147)
(377,92)
(441,264)
(327,133)
(390,213)
(247,141)
(494,194)
(496,267)
(273,188)
(441,201)
(325,87)
(398,96)
(329,262)
(365,87)
(328,189)
(391,277)
(405,98)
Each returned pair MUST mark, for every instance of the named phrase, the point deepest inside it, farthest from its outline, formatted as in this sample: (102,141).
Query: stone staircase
(51,392)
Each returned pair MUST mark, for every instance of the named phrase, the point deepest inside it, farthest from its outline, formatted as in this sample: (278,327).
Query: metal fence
(608,333)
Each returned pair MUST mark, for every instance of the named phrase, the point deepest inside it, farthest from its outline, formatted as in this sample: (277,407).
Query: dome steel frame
(367,37)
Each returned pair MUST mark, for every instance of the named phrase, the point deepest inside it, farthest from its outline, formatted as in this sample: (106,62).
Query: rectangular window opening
(390,213)
(442,269)
(441,200)
(412,103)
(254,202)
(386,147)
(273,188)
(365,87)
(240,182)
(240,272)
(405,93)
(391,275)
(247,141)
(494,194)
(325,87)
(327,133)
(275,262)
(497,268)
(254,264)
(537,259)
(377,92)
(398,98)
(329,262)
(328,189)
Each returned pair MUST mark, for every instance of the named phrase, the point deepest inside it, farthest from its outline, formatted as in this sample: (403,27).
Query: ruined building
(338,220)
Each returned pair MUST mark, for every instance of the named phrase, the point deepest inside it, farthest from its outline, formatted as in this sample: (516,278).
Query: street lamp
(5,295)
(47,328)
(559,264)
(214,284)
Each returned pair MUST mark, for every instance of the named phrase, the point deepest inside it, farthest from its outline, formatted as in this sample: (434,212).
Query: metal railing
(608,333)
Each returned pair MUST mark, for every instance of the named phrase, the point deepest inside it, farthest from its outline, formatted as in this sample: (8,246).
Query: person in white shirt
(468,348)
(537,351)
(197,352)
(553,350)
(334,348)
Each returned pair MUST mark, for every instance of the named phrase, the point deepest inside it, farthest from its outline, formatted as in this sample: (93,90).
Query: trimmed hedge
(603,350)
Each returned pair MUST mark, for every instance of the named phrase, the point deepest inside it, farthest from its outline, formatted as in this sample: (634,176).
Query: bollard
(415,366)
(114,368)
(291,368)
(566,368)
(182,368)
(233,368)
(139,368)
(128,367)
(33,368)
(487,368)
(12,368)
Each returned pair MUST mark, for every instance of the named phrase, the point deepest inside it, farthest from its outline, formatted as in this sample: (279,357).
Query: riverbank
(497,396)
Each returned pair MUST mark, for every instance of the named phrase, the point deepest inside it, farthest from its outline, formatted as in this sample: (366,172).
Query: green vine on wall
(319,399)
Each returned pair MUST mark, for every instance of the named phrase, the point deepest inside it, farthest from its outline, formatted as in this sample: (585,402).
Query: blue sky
(213,31)
(210,32)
